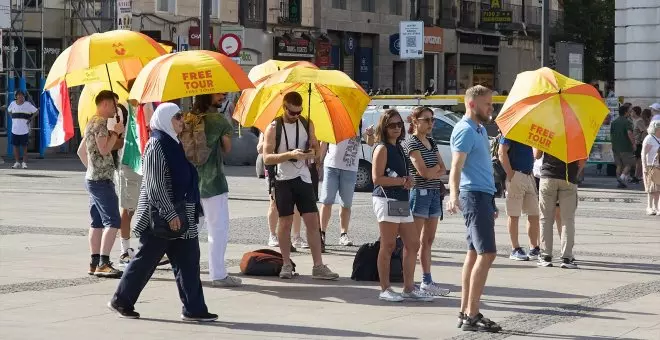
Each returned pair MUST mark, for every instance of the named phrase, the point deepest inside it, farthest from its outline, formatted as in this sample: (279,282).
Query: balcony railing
(253,13)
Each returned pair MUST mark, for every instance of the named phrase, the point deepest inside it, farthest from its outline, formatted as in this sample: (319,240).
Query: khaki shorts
(128,187)
(652,179)
(624,159)
(521,196)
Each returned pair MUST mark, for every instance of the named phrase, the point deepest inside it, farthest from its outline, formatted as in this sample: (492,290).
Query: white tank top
(289,170)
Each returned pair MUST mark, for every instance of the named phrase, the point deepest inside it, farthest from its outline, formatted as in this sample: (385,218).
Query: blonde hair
(477,91)
(653,127)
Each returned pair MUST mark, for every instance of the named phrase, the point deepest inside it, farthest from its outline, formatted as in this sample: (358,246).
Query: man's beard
(483,117)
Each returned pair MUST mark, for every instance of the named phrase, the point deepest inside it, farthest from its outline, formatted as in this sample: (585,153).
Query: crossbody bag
(398,208)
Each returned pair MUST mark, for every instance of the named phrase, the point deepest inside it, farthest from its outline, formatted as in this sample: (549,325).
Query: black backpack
(271,170)
(365,267)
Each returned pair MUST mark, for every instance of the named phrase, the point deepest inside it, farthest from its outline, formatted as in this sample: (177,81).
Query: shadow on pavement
(562,336)
(633,268)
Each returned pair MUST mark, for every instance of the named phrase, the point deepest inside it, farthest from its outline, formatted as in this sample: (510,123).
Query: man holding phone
(293,183)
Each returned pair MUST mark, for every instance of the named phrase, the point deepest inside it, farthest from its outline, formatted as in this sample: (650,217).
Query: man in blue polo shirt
(472,189)
(521,196)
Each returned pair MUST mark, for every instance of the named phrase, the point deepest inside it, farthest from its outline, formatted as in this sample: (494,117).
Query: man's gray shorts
(128,187)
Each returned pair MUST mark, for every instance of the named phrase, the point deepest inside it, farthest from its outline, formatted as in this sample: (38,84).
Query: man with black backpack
(289,143)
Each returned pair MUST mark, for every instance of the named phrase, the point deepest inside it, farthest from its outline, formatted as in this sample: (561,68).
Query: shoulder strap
(278,132)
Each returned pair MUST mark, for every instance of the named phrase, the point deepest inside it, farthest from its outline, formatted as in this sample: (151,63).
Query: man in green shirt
(213,187)
(623,144)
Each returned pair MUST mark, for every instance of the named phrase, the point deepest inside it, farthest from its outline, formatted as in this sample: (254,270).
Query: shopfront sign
(350,44)
(194,35)
(495,15)
(294,48)
(433,38)
(249,57)
(365,71)
(323,48)
(395,43)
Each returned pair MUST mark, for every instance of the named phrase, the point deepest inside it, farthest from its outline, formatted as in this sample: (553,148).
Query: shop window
(339,4)
(369,5)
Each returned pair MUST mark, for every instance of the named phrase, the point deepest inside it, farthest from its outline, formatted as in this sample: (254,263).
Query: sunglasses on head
(395,125)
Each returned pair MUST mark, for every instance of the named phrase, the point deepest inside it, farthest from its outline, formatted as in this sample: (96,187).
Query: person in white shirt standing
(22,113)
(340,165)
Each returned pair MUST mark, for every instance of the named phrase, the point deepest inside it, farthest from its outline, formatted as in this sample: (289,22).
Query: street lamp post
(205,25)
(545,33)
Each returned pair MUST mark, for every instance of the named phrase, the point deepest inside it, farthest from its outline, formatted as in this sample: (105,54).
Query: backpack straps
(279,124)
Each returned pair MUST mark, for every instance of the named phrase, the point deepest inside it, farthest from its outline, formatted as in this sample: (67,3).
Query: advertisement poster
(124,14)
(411,39)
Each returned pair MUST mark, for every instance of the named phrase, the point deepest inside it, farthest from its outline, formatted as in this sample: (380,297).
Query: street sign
(124,15)
(230,44)
(411,39)
(496,17)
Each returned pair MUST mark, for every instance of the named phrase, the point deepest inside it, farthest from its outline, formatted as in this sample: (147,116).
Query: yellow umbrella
(186,74)
(334,102)
(114,55)
(86,102)
(258,75)
(553,113)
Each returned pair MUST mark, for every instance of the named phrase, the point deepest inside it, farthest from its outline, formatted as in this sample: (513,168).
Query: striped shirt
(430,157)
(156,191)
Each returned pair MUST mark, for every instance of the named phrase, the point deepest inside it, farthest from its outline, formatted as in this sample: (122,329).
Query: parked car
(442,129)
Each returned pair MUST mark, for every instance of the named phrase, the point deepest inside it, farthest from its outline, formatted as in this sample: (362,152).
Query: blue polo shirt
(470,138)
(521,156)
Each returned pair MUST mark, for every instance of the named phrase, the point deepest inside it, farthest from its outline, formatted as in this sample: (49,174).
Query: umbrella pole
(309,111)
(107,70)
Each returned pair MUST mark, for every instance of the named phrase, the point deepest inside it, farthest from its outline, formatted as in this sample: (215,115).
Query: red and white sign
(194,35)
(230,45)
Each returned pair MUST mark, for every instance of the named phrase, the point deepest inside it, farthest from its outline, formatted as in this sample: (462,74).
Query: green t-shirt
(212,180)
(619,130)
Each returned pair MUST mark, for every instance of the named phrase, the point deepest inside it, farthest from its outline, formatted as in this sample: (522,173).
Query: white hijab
(162,119)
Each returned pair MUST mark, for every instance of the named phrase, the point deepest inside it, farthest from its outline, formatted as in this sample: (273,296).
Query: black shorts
(638,151)
(294,192)
(19,140)
(314,173)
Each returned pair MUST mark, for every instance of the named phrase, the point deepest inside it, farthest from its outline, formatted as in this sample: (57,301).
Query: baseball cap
(655,106)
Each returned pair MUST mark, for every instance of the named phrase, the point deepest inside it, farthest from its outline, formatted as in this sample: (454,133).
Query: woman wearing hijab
(169,193)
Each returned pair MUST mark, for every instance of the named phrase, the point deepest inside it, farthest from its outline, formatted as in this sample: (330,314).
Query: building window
(396,7)
(167,6)
(215,5)
(339,4)
(369,5)
(290,12)
(253,13)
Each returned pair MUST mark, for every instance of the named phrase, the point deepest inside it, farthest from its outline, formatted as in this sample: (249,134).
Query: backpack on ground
(365,264)
(262,262)
(271,170)
(193,139)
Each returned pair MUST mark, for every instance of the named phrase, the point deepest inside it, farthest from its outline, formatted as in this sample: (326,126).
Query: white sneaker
(24,165)
(298,242)
(345,241)
(651,212)
(229,281)
(16,165)
(273,241)
(434,289)
(390,296)
(417,295)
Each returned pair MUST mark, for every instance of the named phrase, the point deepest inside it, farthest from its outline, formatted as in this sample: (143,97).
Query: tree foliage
(591,22)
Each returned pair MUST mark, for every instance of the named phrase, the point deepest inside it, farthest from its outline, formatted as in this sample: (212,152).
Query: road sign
(411,39)
(230,44)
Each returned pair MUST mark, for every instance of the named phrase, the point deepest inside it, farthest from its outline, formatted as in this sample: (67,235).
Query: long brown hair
(381,128)
(646,116)
(416,113)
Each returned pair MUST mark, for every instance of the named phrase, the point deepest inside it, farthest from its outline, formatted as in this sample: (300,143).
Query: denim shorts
(338,181)
(426,203)
(479,213)
(103,204)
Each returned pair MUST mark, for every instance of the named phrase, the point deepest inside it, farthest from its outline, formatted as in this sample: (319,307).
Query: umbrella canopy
(87,104)
(258,75)
(116,55)
(334,102)
(553,113)
(187,74)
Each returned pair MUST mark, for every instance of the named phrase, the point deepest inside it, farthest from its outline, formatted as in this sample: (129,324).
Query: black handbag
(398,208)
(160,227)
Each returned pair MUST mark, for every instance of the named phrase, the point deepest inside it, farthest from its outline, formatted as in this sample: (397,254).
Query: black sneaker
(123,312)
(480,324)
(461,318)
(545,261)
(208,317)
(621,185)
(568,264)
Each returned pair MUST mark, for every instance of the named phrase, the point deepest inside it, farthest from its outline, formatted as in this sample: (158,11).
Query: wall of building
(637,68)
(521,55)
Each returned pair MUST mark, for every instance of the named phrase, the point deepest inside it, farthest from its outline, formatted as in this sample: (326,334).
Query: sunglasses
(178,116)
(293,113)
(395,125)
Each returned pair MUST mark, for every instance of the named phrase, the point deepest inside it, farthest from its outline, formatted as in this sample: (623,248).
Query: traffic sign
(230,45)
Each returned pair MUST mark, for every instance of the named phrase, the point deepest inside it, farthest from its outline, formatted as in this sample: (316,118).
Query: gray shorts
(128,187)
(623,159)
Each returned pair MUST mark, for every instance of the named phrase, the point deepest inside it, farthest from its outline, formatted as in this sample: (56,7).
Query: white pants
(216,216)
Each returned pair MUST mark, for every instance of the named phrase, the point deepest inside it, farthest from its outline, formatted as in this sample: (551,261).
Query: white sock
(125,244)
(623,177)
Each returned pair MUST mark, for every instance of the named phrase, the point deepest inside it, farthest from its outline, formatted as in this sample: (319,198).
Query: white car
(442,129)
